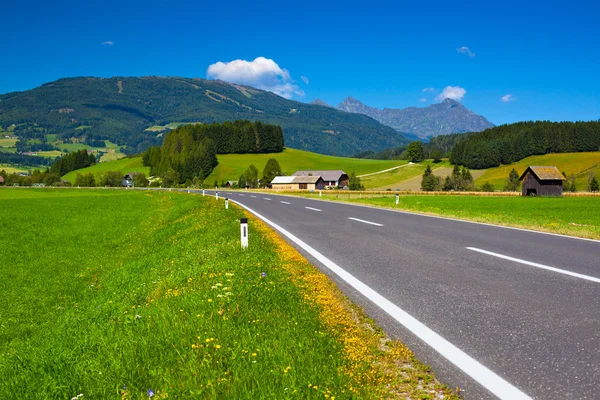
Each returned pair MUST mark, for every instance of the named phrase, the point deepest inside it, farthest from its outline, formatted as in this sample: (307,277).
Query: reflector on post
(244,232)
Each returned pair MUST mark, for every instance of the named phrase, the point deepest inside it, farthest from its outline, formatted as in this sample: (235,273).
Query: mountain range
(134,112)
(446,117)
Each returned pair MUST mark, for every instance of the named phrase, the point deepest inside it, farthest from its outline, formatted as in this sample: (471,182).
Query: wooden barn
(332,178)
(542,181)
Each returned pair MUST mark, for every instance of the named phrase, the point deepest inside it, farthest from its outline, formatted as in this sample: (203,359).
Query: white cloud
(452,92)
(108,43)
(428,89)
(507,97)
(465,50)
(262,73)
(304,79)
(423,100)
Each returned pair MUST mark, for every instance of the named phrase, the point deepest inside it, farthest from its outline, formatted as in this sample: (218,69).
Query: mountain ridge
(122,109)
(446,117)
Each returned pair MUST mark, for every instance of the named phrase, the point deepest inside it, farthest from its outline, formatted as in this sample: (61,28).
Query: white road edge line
(536,265)
(481,374)
(285,202)
(365,222)
(314,209)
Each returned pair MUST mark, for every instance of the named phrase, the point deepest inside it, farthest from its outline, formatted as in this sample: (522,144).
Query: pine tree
(429,182)
(272,169)
(512,184)
(242,181)
(251,175)
(594,186)
(354,182)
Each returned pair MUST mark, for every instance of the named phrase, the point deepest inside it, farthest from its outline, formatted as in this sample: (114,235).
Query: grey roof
(282,179)
(327,175)
(306,179)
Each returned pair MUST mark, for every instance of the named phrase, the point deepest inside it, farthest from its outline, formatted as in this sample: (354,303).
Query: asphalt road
(524,325)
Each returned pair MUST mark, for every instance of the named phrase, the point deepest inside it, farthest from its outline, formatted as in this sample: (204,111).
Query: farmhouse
(230,184)
(332,178)
(542,181)
(1,180)
(298,183)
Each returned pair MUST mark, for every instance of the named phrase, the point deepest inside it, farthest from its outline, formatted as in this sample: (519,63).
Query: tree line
(189,153)
(72,161)
(506,144)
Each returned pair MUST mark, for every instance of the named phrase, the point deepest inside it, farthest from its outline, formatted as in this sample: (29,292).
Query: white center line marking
(239,194)
(266,198)
(486,377)
(536,265)
(365,222)
(314,209)
(253,196)
(285,202)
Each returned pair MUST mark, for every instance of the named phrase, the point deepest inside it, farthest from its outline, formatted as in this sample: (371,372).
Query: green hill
(135,112)
(231,166)
(571,163)
(124,165)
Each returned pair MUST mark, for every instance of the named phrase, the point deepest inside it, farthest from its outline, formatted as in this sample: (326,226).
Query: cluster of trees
(110,179)
(250,177)
(506,144)
(21,159)
(72,161)
(33,145)
(37,176)
(354,182)
(189,152)
(460,180)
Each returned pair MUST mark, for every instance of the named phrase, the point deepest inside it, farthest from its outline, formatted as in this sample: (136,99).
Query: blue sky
(545,55)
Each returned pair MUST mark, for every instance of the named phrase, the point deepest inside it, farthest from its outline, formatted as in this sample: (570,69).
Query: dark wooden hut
(542,181)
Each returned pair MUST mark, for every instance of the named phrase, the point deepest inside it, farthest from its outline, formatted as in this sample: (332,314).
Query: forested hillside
(506,144)
(190,151)
(127,111)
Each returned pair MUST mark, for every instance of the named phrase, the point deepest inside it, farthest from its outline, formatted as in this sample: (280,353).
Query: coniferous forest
(506,144)
(190,151)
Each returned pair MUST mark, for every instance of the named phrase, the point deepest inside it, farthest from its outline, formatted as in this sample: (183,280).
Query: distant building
(230,184)
(298,183)
(332,178)
(1,180)
(542,181)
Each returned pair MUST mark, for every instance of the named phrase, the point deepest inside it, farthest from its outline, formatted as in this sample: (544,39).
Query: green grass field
(125,165)
(575,216)
(9,169)
(8,142)
(571,163)
(110,294)
(393,179)
(231,166)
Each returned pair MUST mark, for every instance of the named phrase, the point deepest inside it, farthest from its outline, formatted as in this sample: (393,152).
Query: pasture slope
(120,294)
(124,165)
(231,166)
(571,163)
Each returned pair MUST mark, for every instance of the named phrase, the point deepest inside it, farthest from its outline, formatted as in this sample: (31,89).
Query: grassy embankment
(571,163)
(575,216)
(112,293)
(124,165)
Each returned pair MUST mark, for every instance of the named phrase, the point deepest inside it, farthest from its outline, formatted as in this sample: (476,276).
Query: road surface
(499,312)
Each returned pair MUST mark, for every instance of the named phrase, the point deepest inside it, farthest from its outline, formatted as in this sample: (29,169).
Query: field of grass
(50,153)
(125,165)
(113,294)
(8,149)
(11,170)
(8,142)
(394,179)
(571,163)
(231,166)
(575,216)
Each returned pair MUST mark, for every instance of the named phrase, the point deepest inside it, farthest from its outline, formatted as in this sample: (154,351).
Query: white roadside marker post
(217,197)
(320,193)
(203,193)
(397,198)
(244,232)
(226,203)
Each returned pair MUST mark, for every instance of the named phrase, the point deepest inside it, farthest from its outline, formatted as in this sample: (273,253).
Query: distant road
(385,170)
(500,312)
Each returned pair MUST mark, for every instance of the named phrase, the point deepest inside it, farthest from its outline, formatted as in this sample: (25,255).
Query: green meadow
(575,216)
(571,163)
(394,178)
(115,293)
(231,166)
(124,165)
